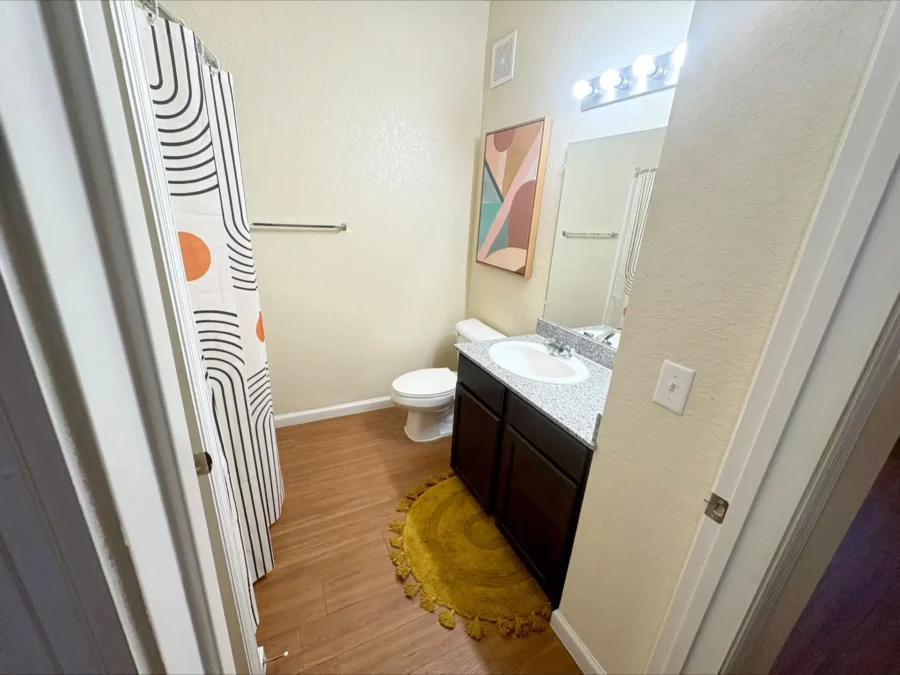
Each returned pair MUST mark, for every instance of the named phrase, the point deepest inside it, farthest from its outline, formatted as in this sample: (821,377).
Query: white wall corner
(574,644)
(341,410)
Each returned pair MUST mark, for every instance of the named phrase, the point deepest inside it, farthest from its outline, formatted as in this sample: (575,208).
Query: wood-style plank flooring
(851,624)
(333,600)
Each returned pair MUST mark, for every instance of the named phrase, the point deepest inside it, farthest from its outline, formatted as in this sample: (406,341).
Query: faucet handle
(558,348)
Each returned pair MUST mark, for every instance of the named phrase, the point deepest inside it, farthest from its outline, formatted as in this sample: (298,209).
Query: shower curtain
(632,235)
(197,129)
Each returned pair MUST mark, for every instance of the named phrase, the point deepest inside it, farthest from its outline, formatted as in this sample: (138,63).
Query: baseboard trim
(341,410)
(576,648)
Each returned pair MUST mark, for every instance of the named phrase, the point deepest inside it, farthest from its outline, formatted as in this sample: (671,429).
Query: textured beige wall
(558,43)
(599,173)
(869,454)
(370,112)
(756,119)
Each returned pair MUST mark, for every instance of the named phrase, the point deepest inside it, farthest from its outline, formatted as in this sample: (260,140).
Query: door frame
(81,272)
(833,265)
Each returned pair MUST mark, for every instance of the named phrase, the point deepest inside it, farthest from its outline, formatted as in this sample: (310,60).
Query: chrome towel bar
(590,235)
(302,226)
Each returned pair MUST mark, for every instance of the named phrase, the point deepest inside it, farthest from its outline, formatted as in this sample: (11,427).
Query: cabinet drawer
(569,454)
(488,390)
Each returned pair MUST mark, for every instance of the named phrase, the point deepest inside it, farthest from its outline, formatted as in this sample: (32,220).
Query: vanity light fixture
(581,89)
(613,79)
(646,66)
(646,75)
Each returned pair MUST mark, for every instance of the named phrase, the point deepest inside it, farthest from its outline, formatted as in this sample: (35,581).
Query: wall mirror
(603,209)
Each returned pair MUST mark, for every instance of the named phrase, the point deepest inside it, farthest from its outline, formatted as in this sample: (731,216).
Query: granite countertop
(575,407)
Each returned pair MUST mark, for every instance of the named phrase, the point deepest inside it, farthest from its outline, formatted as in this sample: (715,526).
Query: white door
(235,577)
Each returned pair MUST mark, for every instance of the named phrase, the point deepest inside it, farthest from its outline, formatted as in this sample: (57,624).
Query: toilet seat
(428,383)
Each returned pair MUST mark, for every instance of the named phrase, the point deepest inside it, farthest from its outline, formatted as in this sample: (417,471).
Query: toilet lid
(425,382)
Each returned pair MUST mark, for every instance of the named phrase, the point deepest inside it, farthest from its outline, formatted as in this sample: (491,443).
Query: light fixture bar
(631,84)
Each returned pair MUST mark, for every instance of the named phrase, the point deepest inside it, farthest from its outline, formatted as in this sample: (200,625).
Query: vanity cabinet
(522,467)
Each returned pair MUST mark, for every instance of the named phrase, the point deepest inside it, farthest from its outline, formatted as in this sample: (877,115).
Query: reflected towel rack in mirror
(303,226)
(590,235)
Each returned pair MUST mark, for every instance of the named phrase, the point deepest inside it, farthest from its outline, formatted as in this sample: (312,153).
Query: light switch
(673,386)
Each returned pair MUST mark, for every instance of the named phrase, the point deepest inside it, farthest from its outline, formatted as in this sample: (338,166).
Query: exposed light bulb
(679,54)
(581,89)
(612,79)
(645,66)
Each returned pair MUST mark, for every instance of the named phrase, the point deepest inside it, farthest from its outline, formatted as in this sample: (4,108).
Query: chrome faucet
(557,348)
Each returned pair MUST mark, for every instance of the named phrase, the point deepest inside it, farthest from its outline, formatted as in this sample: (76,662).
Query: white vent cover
(503,60)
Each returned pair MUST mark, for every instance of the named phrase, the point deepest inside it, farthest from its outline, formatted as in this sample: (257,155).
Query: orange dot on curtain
(195,254)
(260,330)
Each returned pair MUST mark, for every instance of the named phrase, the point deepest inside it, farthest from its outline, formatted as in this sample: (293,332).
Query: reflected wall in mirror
(605,195)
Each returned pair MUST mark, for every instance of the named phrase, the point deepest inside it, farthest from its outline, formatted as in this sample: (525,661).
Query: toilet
(428,393)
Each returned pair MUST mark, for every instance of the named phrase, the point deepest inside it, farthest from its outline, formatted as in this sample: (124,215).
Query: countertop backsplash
(583,345)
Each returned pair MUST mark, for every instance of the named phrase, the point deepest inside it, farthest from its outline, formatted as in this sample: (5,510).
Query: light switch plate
(673,386)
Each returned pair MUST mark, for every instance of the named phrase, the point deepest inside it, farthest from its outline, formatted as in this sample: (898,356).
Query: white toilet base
(424,426)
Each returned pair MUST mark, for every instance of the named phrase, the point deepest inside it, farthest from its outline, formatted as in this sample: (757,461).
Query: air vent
(503,60)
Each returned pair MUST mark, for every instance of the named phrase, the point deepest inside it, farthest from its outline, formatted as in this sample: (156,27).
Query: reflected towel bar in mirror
(590,235)
(301,226)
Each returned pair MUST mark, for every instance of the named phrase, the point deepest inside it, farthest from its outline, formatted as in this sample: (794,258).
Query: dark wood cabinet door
(535,511)
(476,439)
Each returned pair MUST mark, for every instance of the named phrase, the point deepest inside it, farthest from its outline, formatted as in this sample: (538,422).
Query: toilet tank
(473,330)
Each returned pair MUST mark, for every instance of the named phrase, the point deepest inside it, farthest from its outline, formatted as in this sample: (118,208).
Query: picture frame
(513,166)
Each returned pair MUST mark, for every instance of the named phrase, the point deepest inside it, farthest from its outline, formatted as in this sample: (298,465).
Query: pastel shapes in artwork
(195,254)
(502,240)
(503,139)
(517,154)
(260,329)
(527,172)
(490,192)
(494,161)
(520,216)
(488,213)
(512,259)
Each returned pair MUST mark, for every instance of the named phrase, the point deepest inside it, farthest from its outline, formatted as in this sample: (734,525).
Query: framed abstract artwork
(512,180)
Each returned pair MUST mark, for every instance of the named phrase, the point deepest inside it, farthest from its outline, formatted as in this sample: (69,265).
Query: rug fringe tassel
(545,612)
(505,626)
(403,571)
(536,623)
(398,557)
(427,600)
(521,627)
(411,589)
(404,505)
(396,526)
(447,619)
(475,629)
(431,481)
(397,542)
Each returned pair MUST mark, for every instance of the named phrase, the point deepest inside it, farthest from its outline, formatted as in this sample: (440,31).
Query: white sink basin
(532,360)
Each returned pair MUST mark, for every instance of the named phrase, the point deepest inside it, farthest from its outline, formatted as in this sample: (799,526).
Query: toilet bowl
(428,396)
(428,393)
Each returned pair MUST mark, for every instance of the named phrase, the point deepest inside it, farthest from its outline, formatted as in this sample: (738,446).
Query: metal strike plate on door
(716,507)
(203,463)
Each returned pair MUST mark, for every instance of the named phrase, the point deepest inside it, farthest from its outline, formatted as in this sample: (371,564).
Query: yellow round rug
(459,560)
